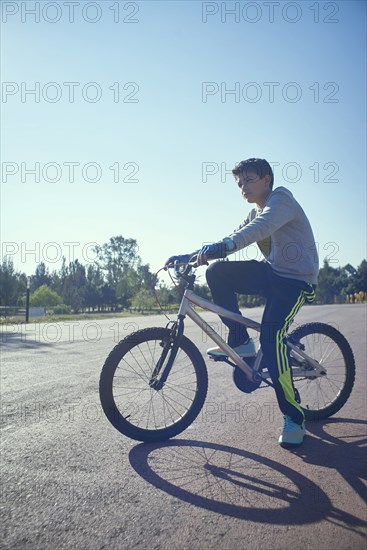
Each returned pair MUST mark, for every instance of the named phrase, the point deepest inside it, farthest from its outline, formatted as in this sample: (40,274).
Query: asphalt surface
(70,480)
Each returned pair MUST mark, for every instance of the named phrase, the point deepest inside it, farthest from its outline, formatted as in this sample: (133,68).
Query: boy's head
(260,167)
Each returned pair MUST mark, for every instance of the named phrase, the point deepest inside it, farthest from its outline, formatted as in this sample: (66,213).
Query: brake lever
(190,263)
(194,263)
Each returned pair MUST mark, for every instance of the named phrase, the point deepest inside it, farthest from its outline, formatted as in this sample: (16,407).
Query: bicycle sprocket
(241,380)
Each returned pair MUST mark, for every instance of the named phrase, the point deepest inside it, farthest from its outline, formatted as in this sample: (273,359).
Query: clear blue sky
(298,101)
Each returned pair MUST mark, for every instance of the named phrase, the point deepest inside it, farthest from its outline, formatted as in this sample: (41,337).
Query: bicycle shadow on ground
(340,444)
(242,484)
(232,482)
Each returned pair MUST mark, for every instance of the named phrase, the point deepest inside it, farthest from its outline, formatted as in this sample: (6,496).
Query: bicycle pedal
(215,358)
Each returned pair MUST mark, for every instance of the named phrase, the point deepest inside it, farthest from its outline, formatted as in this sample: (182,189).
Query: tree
(108,296)
(12,284)
(143,300)
(335,283)
(93,290)
(119,275)
(74,283)
(45,297)
(202,291)
(145,276)
(116,256)
(251,300)
(361,277)
(126,287)
(167,296)
(41,277)
(124,272)
(56,282)
(326,286)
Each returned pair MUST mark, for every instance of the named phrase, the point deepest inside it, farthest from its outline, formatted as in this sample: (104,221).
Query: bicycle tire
(322,397)
(135,357)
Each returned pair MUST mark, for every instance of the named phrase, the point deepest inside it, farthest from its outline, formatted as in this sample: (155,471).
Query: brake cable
(177,287)
(154,290)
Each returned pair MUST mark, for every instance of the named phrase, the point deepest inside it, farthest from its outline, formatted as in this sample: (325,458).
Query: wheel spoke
(323,395)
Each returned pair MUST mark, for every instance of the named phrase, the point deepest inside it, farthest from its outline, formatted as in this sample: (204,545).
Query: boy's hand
(212,252)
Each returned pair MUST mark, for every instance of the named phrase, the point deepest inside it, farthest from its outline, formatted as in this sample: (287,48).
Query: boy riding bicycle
(286,277)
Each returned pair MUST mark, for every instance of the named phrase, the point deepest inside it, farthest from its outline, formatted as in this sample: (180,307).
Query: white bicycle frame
(189,297)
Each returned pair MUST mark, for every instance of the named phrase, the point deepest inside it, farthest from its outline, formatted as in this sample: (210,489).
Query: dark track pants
(285,298)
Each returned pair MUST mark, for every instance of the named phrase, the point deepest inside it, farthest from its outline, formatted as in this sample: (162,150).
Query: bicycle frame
(251,372)
(186,309)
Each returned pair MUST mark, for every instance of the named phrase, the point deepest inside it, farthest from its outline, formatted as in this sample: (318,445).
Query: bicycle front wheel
(128,397)
(322,396)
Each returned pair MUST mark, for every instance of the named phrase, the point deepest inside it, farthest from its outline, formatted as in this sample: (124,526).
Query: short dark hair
(261,167)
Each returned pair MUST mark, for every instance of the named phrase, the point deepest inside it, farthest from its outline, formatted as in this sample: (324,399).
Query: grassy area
(15,320)
(18,320)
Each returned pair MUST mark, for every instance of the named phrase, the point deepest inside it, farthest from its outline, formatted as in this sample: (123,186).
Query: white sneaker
(244,350)
(293,433)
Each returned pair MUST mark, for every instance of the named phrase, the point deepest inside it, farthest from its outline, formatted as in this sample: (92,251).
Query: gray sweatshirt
(284,236)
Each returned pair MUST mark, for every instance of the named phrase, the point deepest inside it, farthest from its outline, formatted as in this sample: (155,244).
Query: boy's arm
(251,215)
(222,248)
(278,212)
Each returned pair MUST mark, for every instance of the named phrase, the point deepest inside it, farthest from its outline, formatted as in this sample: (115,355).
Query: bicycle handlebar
(183,268)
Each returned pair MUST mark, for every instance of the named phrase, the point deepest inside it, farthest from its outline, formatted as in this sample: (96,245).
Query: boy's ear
(267,178)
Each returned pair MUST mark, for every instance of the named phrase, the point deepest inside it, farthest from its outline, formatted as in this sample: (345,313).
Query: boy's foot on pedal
(244,350)
(293,433)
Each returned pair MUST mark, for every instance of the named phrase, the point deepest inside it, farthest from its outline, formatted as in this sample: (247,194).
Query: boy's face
(253,188)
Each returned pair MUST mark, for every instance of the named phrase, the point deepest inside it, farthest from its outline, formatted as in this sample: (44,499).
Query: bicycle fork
(170,347)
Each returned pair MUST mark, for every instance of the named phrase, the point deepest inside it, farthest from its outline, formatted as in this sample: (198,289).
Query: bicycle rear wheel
(128,399)
(322,396)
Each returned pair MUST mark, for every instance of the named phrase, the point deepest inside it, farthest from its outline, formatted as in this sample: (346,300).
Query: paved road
(71,481)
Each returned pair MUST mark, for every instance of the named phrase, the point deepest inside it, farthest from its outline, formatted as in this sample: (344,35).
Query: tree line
(119,280)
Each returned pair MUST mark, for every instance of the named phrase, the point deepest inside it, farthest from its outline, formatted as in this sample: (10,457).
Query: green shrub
(61,309)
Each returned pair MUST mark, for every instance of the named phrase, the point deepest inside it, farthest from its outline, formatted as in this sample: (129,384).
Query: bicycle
(154,382)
